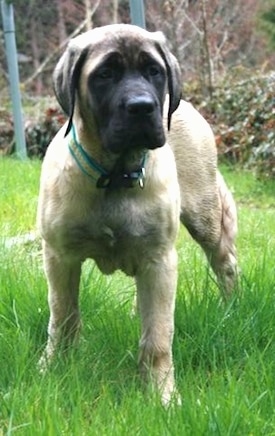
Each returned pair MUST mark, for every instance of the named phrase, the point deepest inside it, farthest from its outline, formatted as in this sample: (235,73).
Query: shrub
(243,119)
(6,132)
(40,133)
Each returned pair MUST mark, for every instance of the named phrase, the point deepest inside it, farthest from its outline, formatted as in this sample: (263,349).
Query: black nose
(140,105)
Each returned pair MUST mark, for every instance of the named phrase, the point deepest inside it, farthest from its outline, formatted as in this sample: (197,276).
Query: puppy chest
(107,238)
(112,248)
(119,238)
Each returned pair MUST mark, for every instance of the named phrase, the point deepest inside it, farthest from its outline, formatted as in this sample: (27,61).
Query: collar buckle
(123,180)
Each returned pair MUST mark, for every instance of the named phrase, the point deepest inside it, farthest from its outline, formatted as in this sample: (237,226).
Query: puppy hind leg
(63,289)
(220,247)
(223,257)
(215,230)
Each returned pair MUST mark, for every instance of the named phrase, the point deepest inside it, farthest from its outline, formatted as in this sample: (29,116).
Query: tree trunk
(207,61)
(61,22)
(35,54)
(115,11)
(88,14)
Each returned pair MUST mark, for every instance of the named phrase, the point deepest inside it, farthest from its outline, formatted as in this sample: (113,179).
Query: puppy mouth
(139,136)
(123,144)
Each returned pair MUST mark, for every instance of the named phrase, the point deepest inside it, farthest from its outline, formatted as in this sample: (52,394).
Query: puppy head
(137,62)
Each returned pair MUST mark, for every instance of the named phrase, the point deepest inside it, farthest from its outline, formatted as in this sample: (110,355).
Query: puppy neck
(127,170)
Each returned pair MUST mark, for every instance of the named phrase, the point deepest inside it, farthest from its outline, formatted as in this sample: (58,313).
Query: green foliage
(243,118)
(268,24)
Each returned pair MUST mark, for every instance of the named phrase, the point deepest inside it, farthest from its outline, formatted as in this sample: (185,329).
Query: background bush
(242,115)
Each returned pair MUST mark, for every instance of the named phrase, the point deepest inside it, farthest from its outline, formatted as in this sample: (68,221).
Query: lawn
(224,353)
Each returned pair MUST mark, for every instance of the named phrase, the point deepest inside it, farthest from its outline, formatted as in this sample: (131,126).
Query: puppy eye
(105,73)
(153,70)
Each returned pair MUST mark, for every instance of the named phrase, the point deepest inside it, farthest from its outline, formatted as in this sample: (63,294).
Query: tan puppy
(114,190)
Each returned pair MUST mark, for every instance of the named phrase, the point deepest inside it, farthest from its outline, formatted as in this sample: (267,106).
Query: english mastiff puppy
(117,180)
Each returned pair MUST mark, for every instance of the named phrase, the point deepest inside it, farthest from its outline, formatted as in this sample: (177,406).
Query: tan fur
(207,207)
(135,230)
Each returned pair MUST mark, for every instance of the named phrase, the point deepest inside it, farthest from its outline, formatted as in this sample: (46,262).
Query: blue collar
(101,177)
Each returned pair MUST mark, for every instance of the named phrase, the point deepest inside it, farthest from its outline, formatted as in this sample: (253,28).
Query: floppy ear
(65,78)
(173,75)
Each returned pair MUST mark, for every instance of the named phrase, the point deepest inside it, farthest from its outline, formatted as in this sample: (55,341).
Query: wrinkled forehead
(117,32)
(127,41)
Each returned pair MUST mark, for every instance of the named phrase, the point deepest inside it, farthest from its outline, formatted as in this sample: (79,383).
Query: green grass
(224,354)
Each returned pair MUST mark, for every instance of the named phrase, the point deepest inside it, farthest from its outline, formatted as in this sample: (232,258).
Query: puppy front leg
(156,288)
(63,278)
